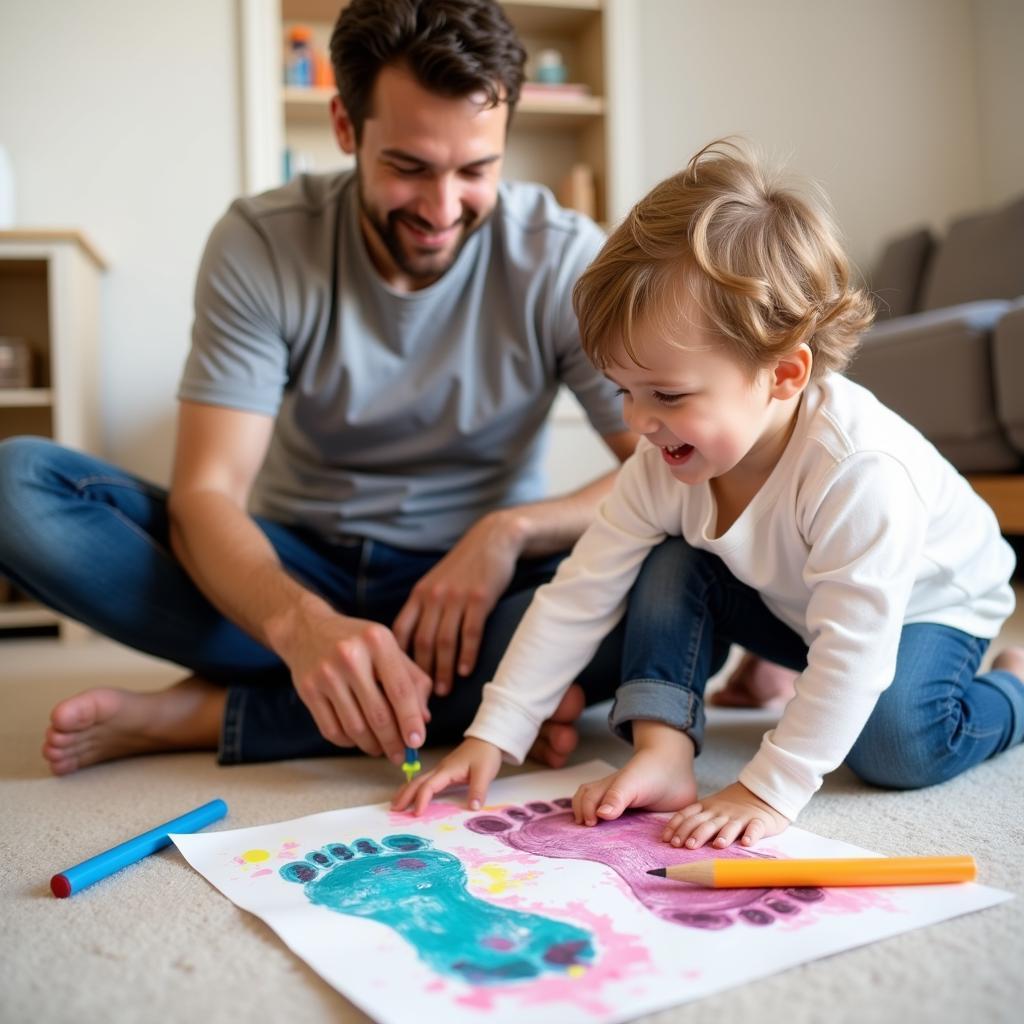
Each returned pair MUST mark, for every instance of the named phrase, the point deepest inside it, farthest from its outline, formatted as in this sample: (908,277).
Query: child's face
(700,406)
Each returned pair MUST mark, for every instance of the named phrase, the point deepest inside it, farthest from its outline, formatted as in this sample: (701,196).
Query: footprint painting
(420,892)
(630,845)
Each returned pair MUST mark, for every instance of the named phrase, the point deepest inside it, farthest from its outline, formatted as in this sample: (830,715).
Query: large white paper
(462,916)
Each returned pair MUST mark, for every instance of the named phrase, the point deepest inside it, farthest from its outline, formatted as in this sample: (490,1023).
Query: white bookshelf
(50,298)
(550,134)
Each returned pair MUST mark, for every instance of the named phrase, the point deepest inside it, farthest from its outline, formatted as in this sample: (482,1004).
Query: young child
(815,527)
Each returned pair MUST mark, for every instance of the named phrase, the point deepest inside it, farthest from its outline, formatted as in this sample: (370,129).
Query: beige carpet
(157,942)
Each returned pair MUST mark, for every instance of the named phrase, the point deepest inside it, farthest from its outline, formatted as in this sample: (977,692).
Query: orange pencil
(757,873)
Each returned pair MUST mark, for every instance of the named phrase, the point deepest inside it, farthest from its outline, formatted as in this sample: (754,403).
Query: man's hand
(473,761)
(445,613)
(722,818)
(358,684)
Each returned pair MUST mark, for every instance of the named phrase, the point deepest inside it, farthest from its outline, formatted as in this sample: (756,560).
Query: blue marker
(412,763)
(103,864)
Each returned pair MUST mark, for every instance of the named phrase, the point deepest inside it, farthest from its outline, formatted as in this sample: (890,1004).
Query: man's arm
(357,683)
(444,617)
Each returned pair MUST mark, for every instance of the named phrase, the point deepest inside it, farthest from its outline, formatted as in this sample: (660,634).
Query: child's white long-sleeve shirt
(862,527)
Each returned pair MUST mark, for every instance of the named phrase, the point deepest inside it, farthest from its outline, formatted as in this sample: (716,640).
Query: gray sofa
(947,349)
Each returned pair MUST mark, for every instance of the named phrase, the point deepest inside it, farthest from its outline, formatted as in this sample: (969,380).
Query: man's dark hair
(455,48)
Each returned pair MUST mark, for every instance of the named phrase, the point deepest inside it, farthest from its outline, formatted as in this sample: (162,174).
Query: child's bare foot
(558,736)
(755,683)
(658,777)
(104,723)
(1011,660)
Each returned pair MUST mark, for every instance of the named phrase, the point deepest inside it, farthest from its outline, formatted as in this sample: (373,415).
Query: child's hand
(730,814)
(658,776)
(473,761)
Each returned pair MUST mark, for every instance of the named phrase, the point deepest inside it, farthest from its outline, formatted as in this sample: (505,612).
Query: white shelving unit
(597,39)
(49,296)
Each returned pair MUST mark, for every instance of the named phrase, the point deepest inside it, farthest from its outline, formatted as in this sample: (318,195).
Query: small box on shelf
(306,64)
(15,363)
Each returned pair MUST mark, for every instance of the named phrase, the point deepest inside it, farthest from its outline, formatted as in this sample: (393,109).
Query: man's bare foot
(755,683)
(558,736)
(104,723)
(1011,660)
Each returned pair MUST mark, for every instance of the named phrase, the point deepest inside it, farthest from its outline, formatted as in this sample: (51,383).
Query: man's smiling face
(428,169)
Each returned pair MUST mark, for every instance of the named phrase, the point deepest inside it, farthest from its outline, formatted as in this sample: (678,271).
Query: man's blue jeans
(92,541)
(936,720)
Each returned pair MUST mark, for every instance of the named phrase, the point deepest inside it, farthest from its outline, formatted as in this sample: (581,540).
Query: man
(355,517)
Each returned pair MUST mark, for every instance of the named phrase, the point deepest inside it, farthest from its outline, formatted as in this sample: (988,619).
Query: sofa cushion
(897,280)
(935,370)
(982,257)
(1008,372)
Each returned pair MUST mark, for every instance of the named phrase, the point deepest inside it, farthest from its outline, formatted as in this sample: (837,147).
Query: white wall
(999,49)
(876,99)
(121,119)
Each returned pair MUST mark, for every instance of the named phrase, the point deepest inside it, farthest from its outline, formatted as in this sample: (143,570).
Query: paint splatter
(496,879)
(435,811)
(256,858)
(623,957)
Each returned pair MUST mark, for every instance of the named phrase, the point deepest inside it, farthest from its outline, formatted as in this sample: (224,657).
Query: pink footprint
(630,846)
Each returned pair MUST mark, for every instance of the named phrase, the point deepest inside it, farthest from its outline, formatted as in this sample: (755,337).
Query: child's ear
(344,130)
(792,372)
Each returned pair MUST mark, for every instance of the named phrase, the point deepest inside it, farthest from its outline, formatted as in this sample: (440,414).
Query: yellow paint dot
(255,856)
(576,971)
(446,828)
(499,877)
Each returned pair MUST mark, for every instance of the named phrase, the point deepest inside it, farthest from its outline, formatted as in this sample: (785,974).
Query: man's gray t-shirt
(400,417)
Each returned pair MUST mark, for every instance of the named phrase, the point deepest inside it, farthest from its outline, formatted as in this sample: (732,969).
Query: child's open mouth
(674,455)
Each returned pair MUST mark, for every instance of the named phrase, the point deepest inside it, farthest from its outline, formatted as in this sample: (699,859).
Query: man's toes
(562,739)
(61,762)
(554,754)
(544,753)
(571,706)
(56,739)
(1010,660)
(755,683)
(74,714)
(723,698)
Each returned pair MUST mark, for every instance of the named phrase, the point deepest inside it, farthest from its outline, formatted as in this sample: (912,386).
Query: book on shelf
(578,190)
(554,91)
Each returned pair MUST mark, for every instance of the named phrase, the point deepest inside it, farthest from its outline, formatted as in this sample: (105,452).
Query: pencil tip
(660,872)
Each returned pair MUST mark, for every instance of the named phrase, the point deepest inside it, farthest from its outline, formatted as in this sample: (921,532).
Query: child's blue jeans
(936,720)
(91,541)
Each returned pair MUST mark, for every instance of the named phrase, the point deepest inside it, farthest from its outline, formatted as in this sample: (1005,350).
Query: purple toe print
(631,846)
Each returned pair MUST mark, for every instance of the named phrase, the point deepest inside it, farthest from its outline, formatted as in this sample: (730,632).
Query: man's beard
(427,267)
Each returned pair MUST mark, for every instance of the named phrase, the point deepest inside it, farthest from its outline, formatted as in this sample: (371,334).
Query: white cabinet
(49,298)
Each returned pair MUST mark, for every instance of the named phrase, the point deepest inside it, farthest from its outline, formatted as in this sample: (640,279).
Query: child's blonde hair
(763,263)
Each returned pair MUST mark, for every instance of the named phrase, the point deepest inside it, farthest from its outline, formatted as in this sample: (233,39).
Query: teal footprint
(421,893)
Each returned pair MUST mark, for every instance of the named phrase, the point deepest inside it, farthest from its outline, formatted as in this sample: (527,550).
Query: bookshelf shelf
(25,398)
(311,104)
